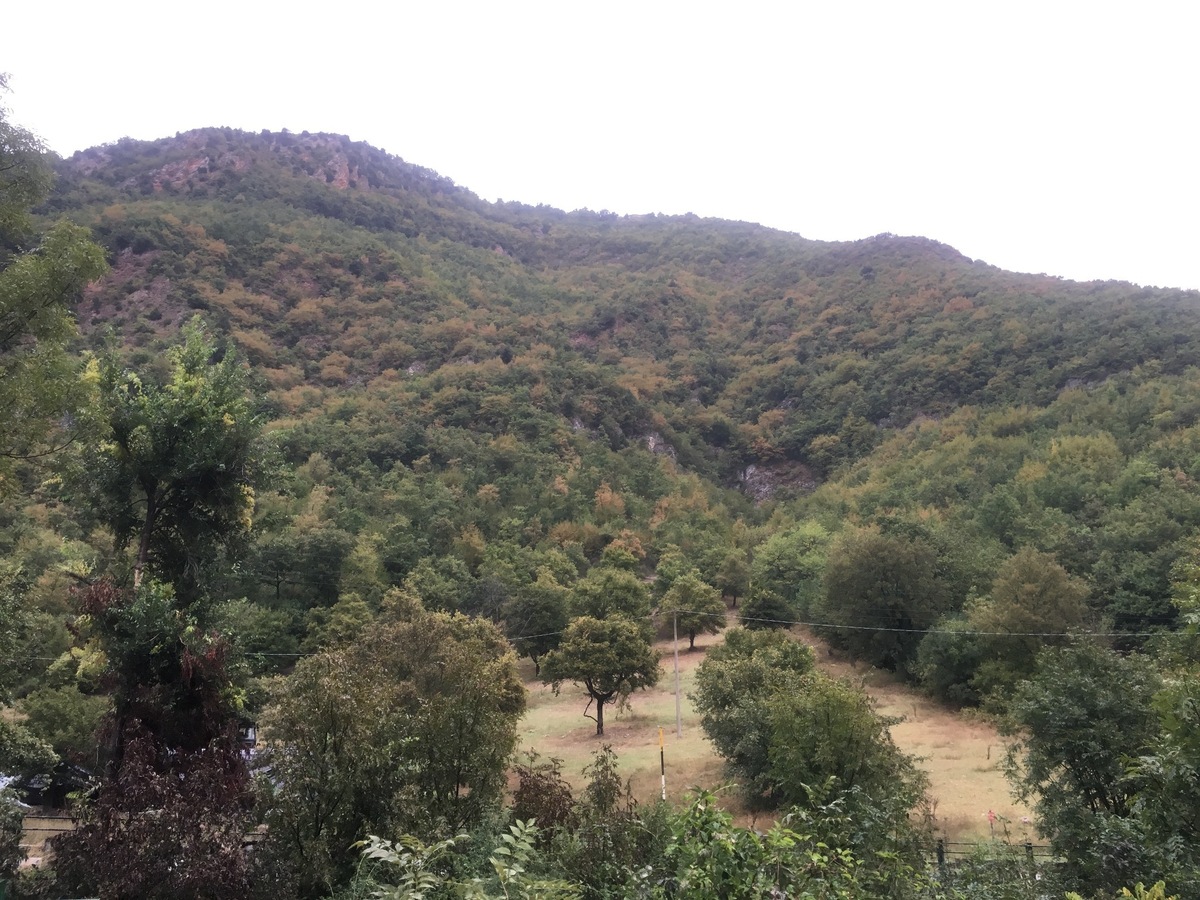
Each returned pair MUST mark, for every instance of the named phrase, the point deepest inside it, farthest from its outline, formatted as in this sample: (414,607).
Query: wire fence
(943,851)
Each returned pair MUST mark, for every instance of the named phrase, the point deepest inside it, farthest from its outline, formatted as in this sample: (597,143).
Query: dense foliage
(493,421)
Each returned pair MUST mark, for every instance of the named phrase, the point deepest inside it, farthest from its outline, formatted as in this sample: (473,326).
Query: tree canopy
(41,278)
(611,658)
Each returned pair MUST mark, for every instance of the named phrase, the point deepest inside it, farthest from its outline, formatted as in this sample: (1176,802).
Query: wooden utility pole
(678,715)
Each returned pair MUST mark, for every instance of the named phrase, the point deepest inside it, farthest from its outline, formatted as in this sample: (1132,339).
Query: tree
(708,856)
(162,833)
(733,576)
(1076,723)
(766,610)
(983,653)
(823,731)
(887,589)
(408,730)
(19,749)
(734,685)
(610,657)
(947,660)
(39,283)
(174,472)
(790,564)
(672,564)
(535,617)
(694,607)
(606,592)
(67,719)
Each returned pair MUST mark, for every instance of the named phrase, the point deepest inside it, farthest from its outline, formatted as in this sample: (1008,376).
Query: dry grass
(960,756)
(556,727)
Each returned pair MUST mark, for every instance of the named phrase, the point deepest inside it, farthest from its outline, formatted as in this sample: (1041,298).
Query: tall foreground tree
(40,279)
(1078,723)
(39,282)
(172,475)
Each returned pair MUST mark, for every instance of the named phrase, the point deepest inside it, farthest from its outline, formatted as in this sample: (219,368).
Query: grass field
(961,756)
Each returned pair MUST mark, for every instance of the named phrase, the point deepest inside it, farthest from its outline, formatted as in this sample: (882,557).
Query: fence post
(941,854)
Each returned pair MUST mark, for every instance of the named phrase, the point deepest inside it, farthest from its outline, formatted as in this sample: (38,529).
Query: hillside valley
(332,442)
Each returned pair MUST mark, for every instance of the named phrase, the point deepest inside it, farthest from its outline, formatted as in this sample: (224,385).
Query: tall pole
(678,715)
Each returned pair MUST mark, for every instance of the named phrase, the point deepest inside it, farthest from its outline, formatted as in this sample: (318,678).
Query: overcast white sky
(1038,136)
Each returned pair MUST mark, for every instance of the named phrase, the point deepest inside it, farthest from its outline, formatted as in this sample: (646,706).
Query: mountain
(333,263)
(457,386)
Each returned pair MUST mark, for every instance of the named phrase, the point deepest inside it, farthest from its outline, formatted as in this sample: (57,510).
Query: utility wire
(795,622)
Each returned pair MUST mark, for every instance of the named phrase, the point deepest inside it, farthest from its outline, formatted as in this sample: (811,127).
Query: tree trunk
(600,717)
(144,542)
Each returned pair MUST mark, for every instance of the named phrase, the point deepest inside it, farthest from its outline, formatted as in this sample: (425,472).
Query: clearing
(961,755)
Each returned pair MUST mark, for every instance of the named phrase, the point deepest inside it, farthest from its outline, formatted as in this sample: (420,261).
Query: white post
(662,763)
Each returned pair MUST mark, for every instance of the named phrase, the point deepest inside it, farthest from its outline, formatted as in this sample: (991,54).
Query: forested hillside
(395,402)
(514,359)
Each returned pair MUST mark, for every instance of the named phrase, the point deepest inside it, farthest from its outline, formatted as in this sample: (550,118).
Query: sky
(1055,137)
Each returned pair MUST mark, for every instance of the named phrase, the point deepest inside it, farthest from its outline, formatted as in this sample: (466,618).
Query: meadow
(961,754)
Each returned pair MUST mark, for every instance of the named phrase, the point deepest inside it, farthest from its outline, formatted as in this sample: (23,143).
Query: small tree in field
(611,658)
(693,607)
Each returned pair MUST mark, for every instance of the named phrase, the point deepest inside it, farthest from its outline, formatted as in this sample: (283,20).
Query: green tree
(824,730)
(707,856)
(734,687)
(606,592)
(536,616)
(693,607)
(19,749)
(790,564)
(733,577)
(983,653)
(339,624)
(1076,723)
(887,589)
(174,472)
(767,610)
(410,729)
(611,658)
(672,564)
(67,719)
(171,474)
(947,660)
(40,280)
